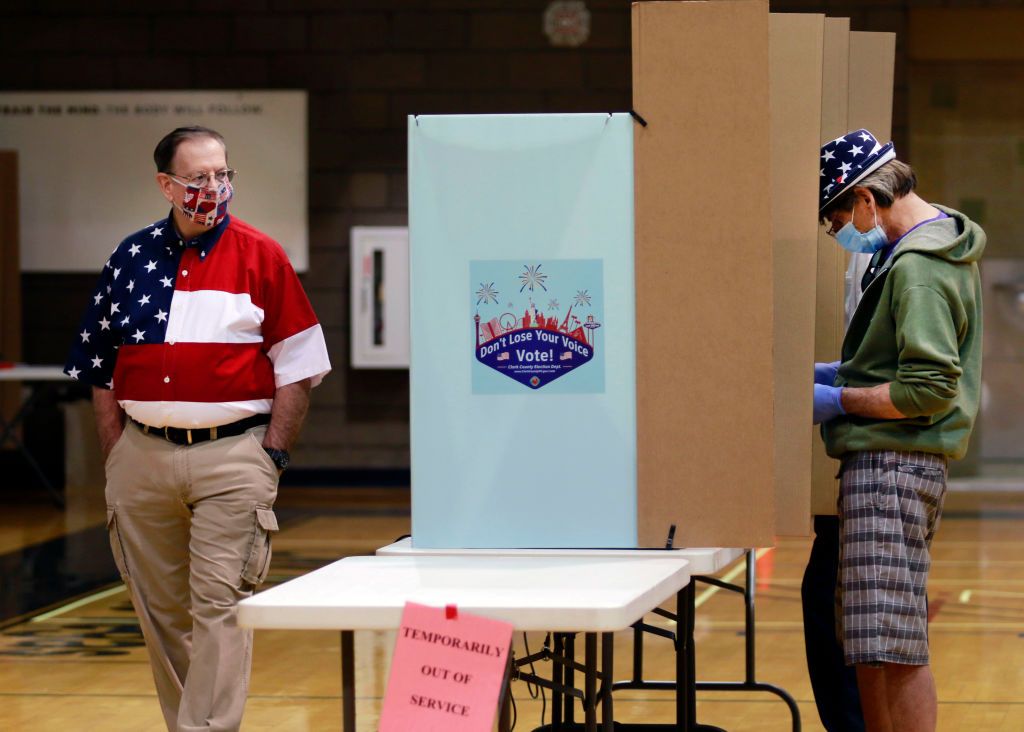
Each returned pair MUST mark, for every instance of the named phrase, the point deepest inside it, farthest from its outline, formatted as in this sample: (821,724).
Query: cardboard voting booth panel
(873,65)
(796,71)
(831,267)
(705,421)
(870,70)
(522,331)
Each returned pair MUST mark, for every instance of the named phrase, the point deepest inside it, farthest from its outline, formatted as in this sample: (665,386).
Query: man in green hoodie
(900,403)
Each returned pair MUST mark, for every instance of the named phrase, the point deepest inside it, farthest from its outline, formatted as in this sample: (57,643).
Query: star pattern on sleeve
(131,305)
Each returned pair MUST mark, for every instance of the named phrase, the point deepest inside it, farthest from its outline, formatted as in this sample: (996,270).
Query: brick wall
(367,64)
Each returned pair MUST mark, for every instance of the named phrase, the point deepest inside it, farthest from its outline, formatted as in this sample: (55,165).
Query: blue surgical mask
(867,242)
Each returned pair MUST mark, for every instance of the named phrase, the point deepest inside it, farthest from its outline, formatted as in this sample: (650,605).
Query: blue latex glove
(825,373)
(827,402)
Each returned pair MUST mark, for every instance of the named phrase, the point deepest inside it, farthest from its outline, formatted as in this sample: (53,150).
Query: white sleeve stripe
(300,356)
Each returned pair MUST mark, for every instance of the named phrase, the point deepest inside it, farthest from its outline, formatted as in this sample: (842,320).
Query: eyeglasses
(834,225)
(201,180)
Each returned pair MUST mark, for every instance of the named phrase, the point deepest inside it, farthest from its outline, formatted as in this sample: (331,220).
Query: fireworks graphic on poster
(487,294)
(553,305)
(582,298)
(532,277)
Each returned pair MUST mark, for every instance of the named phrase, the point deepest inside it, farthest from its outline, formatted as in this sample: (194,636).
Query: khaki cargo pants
(190,531)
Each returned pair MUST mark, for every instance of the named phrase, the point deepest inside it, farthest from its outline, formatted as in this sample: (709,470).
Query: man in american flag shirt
(202,348)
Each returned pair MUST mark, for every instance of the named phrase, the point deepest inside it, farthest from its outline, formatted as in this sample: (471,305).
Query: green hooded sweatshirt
(918,327)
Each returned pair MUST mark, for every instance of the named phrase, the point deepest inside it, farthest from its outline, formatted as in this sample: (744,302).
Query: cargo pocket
(116,545)
(258,562)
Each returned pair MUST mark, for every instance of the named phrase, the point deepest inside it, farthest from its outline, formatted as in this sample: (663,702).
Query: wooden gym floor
(81,665)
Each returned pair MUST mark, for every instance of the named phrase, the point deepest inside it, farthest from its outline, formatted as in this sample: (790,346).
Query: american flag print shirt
(198,334)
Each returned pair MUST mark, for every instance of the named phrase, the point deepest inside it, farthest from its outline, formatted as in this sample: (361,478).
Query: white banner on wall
(86,171)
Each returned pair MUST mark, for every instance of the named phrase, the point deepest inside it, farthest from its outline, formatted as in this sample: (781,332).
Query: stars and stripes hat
(847,160)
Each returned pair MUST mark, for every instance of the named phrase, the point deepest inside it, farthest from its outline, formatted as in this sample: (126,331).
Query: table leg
(348,682)
(505,710)
(590,683)
(686,659)
(607,674)
(570,678)
(557,678)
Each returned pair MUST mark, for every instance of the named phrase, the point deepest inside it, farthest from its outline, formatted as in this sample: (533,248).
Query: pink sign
(446,671)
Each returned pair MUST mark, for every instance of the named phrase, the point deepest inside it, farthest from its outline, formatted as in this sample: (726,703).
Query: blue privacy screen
(523,384)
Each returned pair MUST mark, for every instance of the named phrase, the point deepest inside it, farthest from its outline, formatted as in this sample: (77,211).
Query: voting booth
(522,330)
(614,316)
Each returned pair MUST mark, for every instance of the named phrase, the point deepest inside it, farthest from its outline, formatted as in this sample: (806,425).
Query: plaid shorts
(889,508)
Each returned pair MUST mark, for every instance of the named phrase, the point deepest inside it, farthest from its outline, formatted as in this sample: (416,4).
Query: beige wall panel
(703,273)
(831,264)
(795,42)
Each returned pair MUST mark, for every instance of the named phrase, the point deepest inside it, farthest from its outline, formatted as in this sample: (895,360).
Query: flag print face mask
(205,205)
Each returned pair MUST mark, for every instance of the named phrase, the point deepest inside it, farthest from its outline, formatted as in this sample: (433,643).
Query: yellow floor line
(79,603)
(728,577)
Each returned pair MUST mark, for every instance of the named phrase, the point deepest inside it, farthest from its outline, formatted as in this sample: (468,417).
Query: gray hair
(892,181)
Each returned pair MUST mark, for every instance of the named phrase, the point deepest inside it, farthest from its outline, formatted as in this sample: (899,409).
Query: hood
(956,239)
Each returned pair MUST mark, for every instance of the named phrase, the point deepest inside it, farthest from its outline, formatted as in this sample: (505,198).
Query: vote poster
(536,323)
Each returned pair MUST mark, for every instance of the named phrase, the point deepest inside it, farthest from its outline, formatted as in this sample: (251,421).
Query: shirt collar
(204,242)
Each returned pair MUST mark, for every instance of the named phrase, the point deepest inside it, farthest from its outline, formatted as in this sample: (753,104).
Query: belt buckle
(188,435)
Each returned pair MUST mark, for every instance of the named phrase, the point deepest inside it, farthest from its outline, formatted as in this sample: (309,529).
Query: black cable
(534,689)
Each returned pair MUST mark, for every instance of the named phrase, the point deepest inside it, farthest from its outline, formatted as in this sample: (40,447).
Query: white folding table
(703,562)
(589,594)
(32,375)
